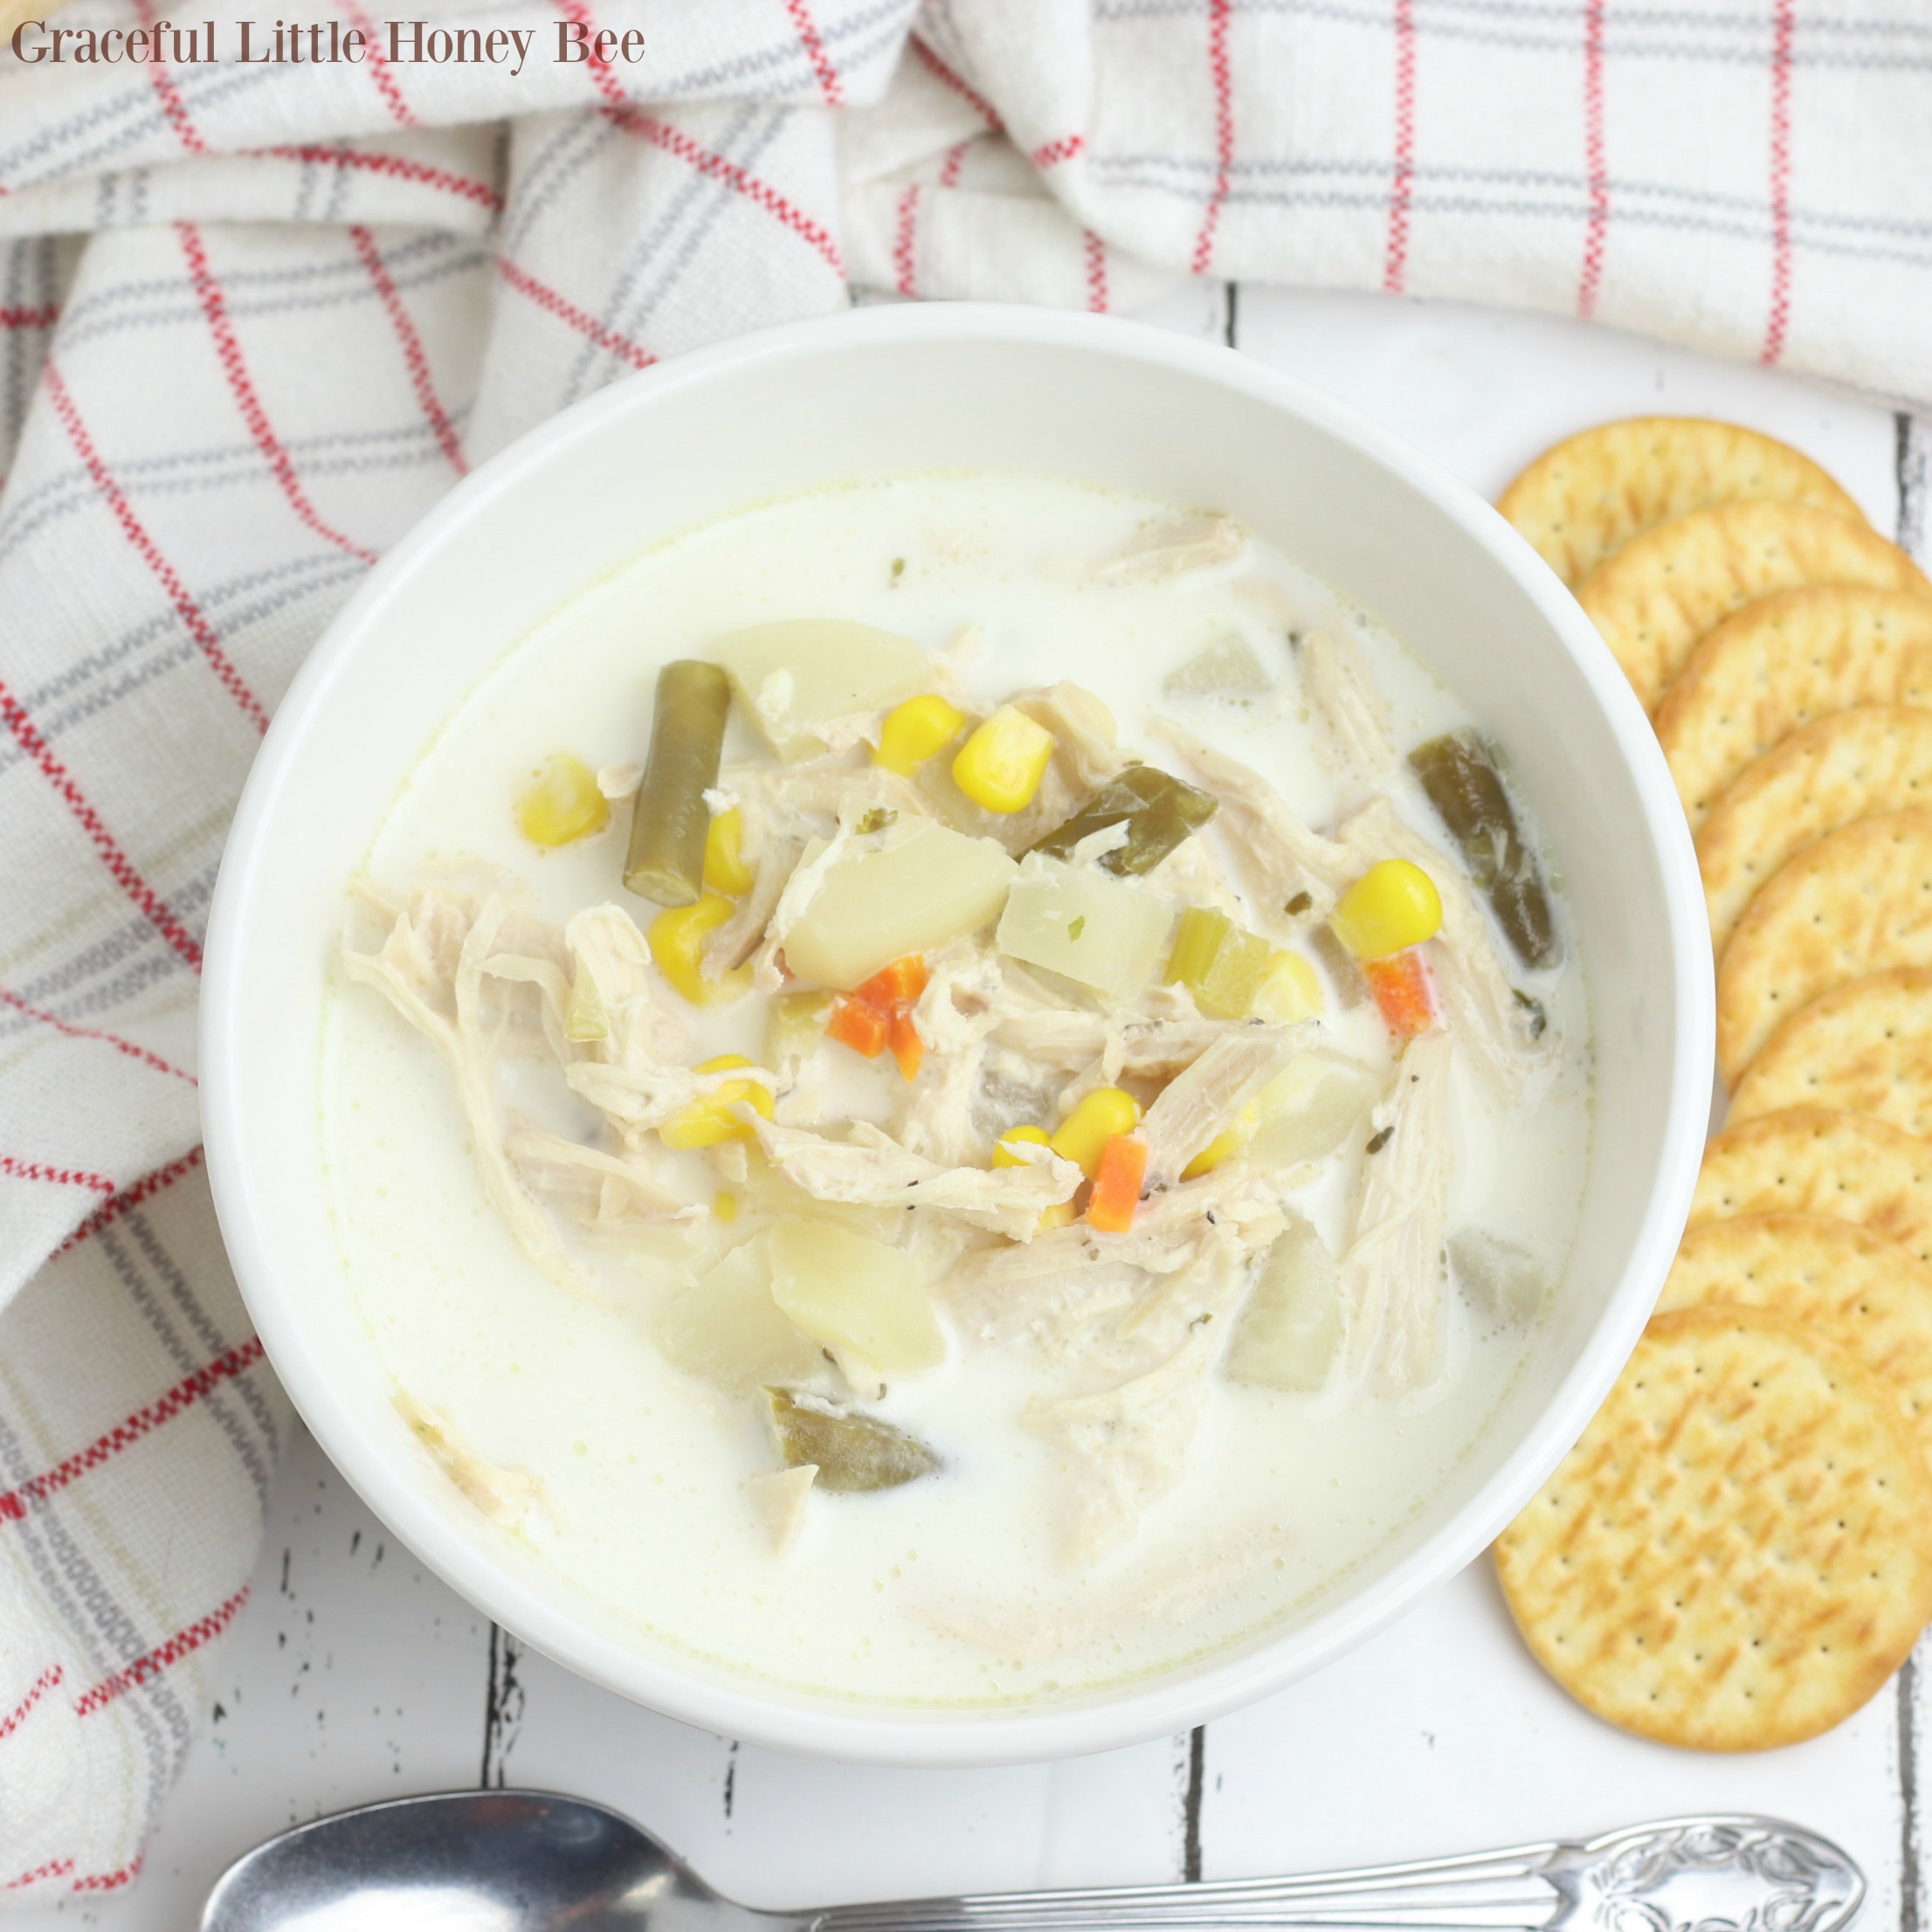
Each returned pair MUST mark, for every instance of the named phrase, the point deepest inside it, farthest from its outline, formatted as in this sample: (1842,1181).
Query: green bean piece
(853,1452)
(1459,773)
(1158,810)
(670,819)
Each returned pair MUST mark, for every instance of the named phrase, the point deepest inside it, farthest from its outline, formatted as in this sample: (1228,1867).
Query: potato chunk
(1290,1325)
(912,897)
(856,1296)
(729,1330)
(1227,669)
(799,677)
(1101,931)
(1498,1277)
(1310,1108)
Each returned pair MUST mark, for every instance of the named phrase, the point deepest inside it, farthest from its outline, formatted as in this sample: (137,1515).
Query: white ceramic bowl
(922,388)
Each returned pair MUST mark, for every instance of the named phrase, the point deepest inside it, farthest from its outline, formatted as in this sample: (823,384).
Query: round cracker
(1582,501)
(1862,1048)
(1733,1556)
(1853,764)
(1854,903)
(1809,1160)
(1863,1293)
(1780,664)
(1659,595)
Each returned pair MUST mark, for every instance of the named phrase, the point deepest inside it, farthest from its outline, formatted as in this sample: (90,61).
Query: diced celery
(799,676)
(1223,965)
(855,1295)
(729,1330)
(1101,931)
(876,906)
(1290,1327)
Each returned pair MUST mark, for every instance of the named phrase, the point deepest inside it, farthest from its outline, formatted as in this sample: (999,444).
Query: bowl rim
(1178,1700)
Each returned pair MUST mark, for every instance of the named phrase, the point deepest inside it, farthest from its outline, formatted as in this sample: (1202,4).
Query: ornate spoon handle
(1713,1874)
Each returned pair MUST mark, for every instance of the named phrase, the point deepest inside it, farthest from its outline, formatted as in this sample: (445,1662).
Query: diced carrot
(899,985)
(1401,986)
(1117,1190)
(858,1024)
(903,1037)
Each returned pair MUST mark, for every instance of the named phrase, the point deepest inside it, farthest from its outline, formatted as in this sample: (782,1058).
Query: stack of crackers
(1738,1553)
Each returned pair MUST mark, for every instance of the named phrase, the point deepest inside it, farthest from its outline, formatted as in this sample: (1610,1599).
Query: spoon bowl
(534,1862)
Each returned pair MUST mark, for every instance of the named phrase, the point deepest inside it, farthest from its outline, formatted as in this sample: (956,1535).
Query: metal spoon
(529,1861)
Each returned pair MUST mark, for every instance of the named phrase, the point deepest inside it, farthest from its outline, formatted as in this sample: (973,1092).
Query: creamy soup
(1057,1150)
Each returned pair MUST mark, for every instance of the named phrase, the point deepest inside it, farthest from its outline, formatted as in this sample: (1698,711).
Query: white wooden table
(354,1675)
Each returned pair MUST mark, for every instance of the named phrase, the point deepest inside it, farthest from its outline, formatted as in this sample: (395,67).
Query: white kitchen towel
(257,316)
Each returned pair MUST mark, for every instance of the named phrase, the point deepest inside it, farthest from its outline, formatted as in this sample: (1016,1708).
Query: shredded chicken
(1127,1443)
(1484,1010)
(1342,695)
(1066,1278)
(959,1008)
(1172,550)
(640,1030)
(1203,1102)
(872,1170)
(780,1498)
(506,1495)
(1276,855)
(1101,1048)
(1086,749)
(617,1196)
(773,857)
(800,801)
(431,967)
(1392,1273)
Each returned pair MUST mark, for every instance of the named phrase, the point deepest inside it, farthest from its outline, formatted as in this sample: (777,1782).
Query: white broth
(1014,1571)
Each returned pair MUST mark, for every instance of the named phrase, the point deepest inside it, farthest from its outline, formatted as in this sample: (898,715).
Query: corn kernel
(915,730)
(564,803)
(708,1120)
(1289,991)
(999,767)
(1002,1152)
(1392,906)
(724,1204)
(677,940)
(1084,1134)
(725,870)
